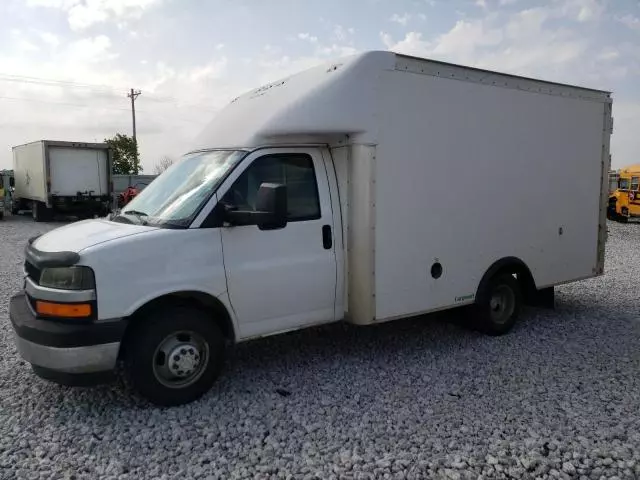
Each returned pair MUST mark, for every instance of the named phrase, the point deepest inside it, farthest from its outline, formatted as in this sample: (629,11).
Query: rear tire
(174,355)
(497,307)
(40,212)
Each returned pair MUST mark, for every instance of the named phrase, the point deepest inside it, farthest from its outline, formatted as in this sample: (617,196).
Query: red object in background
(125,197)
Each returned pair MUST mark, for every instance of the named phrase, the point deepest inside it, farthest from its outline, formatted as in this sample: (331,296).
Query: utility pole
(133,95)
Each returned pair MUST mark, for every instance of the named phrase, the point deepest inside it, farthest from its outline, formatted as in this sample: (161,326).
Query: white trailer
(65,177)
(374,188)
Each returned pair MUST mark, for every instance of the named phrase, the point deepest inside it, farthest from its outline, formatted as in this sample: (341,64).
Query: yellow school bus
(624,202)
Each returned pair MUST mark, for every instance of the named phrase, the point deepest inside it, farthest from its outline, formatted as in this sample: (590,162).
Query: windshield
(176,196)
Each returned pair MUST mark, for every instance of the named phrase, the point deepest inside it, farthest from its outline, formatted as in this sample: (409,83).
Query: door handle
(327,241)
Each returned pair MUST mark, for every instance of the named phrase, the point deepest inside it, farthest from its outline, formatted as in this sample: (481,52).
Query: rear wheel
(498,306)
(40,212)
(174,355)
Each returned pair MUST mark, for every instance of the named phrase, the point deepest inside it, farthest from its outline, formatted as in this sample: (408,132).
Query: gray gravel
(557,398)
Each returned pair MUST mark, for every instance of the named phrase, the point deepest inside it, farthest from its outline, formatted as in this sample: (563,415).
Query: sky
(66,66)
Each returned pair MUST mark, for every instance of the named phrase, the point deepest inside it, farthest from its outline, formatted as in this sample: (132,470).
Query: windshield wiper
(138,214)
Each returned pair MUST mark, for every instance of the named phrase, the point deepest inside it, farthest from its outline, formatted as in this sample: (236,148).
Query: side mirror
(270,212)
(12,182)
(271,202)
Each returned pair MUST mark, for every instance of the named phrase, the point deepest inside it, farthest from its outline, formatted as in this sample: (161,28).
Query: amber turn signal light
(65,310)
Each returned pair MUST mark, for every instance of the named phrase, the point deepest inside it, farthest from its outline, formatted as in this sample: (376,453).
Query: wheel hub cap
(502,304)
(183,360)
(180,359)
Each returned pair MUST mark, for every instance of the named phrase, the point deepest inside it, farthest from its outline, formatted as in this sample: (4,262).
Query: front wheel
(174,355)
(498,306)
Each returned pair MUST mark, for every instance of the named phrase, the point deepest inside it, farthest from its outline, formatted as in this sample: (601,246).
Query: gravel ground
(557,398)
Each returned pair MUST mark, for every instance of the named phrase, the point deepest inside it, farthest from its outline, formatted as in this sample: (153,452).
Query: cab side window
(635,183)
(295,171)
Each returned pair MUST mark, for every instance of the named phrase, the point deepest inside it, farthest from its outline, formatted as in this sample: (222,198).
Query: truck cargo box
(53,176)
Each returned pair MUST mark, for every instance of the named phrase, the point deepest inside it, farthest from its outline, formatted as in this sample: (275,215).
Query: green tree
(126,158)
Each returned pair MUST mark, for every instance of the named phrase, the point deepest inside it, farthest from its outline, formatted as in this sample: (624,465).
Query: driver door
(284,278)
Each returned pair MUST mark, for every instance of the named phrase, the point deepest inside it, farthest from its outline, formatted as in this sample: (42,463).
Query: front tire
(174,355)
(497,307)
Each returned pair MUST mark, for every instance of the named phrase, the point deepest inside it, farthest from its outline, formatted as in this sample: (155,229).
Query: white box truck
(62,177)
(374,188)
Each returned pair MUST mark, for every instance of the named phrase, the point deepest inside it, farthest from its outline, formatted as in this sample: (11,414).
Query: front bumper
(68,353)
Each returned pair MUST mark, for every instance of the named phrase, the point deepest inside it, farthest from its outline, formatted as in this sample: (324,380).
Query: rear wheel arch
(513,266)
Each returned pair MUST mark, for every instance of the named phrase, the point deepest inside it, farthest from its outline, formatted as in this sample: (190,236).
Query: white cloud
(307,37)
(21,43)
(92,50)
(581,10)
(213,70)
(65,4)
(82,14)
(518,43)
(387,40)
(526,23)
(340,33)
(630,21)
(422,16)
(608,55)
(401,19)
(337,50)
(50,39)
(465,37)
(412,44)
(481,3)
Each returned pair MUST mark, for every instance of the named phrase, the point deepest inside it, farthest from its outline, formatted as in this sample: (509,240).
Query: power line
(116,92)
(54,82)
(69,104)
(80,105)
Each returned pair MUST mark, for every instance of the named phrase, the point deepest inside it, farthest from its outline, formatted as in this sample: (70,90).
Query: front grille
(32,272)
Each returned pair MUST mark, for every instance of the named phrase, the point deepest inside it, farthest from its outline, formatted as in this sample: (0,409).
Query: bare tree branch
(164,163)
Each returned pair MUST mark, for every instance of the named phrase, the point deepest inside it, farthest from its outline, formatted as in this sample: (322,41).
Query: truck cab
(247,236)
(624,201)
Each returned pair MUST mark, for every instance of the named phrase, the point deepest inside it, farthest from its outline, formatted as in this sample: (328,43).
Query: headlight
(68,278)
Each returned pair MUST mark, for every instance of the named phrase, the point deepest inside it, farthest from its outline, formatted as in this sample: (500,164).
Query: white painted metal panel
(335,193)
(361,235)
(281,279)
(74,170)
(468,173)
(341,156)
(344,97)
(304,107)
(29,171)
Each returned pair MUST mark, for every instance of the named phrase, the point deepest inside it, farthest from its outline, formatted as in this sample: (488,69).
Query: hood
(80,235)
